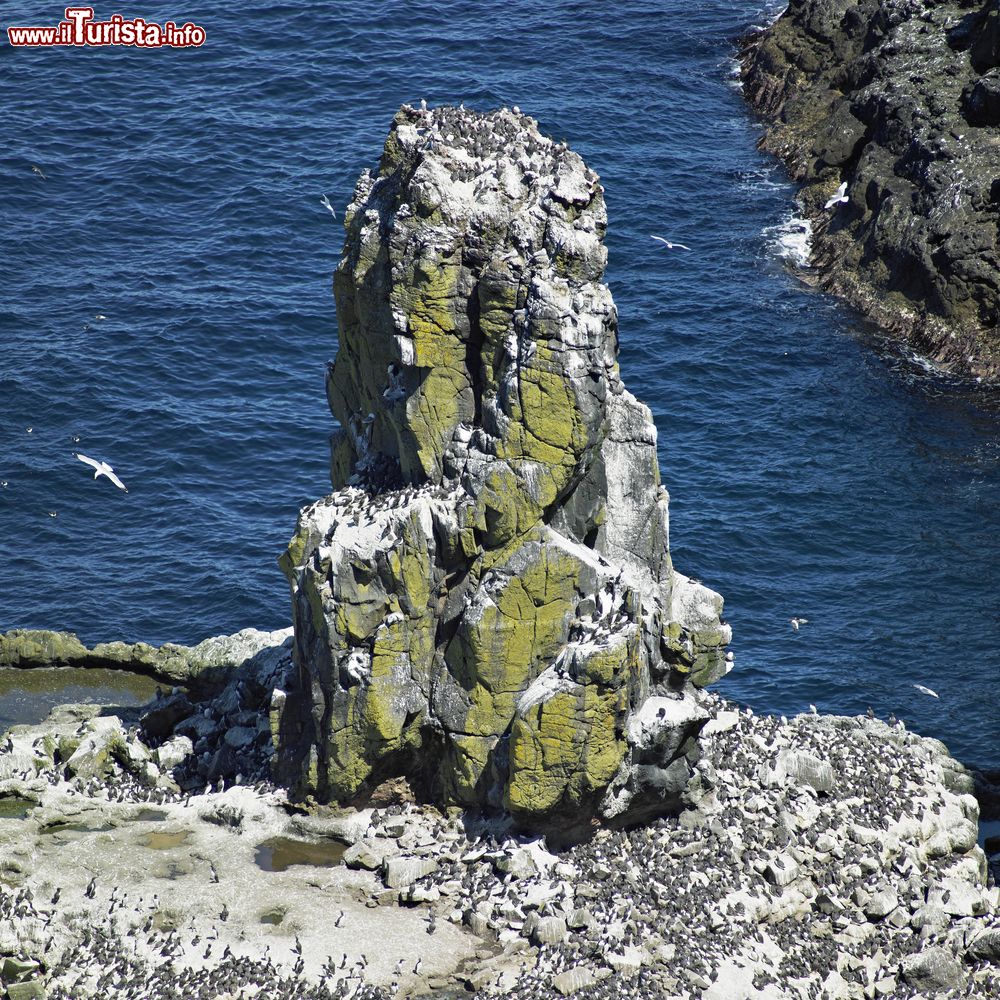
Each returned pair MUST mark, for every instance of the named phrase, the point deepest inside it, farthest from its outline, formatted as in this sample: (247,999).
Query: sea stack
(900,101)
(486,605)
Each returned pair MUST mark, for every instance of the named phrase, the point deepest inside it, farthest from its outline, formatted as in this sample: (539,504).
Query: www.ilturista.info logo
(81,29)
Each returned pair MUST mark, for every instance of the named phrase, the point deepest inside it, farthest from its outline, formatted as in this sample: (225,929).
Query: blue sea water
(815,470)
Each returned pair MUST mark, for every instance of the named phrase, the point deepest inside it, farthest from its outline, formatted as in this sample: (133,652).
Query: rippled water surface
(813,471)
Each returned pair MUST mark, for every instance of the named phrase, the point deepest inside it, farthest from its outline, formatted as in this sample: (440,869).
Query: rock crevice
(487,596)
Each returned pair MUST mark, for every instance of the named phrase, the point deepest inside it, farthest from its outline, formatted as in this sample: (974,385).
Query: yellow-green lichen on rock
(479,604)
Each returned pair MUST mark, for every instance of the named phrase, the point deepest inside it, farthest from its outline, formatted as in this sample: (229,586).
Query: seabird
(796,622)
(668,244)
(102,469)
(35,169)
(326,202)
(100,316)
(926,690)
(839,197)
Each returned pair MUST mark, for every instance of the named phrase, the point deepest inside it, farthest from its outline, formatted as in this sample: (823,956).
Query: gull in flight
(35,169)
(839,197)
(326,202)
(796,622)
(926,690)
(102,469)
(668,244)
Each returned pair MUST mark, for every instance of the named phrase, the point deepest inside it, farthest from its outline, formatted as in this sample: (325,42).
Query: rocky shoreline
(484,760)
(814,857)
(893,107)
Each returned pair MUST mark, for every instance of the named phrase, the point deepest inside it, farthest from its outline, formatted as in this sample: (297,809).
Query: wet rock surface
(486,603)
(898,101)
(114,881)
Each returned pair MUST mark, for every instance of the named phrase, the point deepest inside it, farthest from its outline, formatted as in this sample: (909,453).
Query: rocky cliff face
(900,101)
(486,603)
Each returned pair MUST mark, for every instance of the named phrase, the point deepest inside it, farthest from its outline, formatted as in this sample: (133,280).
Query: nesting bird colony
(818,857)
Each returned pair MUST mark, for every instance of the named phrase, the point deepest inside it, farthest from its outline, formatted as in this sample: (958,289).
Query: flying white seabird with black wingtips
(669,245)
(839,197)
(102,469)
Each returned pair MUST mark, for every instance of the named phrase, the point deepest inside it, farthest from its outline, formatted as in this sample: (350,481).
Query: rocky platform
(817,857)
(486,604)
(209,663)
(898,100)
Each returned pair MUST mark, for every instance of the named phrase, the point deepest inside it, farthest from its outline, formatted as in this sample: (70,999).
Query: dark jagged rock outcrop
(486,603)
(900,100)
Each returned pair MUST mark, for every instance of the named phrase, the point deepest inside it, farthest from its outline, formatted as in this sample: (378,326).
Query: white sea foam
(768,13)
(774,11)
(929,366)
(792,240)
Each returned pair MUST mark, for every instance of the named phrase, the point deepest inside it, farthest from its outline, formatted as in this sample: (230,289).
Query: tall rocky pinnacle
(486,603)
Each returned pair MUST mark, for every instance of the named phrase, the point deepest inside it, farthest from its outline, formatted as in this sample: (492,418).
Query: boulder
(95,756)
(367,854)
(580,977)
(401,872)
(981,101)
(800,768)
(486,601)
(986,947)
(932,969)
(544,930)
(34,989)
(173,752)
